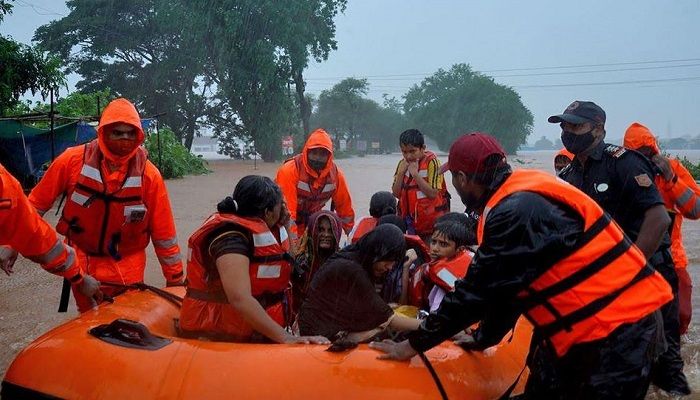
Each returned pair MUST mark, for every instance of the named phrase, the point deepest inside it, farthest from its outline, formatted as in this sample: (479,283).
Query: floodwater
(29,298)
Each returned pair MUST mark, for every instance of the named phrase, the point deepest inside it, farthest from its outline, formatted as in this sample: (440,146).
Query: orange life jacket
(415,204)
(312,197)
(444,273)
(417,290)
(361,228)
(102,223)
(601,284)
(206,309)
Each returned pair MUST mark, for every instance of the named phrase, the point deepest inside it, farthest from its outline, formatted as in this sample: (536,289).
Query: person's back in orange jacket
(308,182)
(681,196)
(32,237)
(111,176)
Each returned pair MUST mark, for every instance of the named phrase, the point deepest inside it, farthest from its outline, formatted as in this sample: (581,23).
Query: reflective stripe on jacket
(103,223)
(206,309)
(416,204)
(27,233)
(445,273)
(602,283)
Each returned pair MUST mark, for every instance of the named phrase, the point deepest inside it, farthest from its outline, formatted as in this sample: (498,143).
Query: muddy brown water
(29,298)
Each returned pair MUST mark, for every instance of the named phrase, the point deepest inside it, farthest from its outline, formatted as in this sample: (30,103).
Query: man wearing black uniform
(622,182)
(593,338)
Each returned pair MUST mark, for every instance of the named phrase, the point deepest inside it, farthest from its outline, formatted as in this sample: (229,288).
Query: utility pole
(53,144)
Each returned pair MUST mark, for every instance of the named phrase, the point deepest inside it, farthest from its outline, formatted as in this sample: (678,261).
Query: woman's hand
(285,216)
(394,351)
(411,257)
(290,339)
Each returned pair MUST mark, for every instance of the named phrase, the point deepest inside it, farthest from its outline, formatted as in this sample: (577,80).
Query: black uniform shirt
(524,234)
(621,181)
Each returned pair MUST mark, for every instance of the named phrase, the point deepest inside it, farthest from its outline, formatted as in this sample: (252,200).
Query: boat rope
(175,299)
(434,374)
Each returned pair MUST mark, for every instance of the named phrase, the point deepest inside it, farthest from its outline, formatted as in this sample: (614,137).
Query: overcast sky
(648,49)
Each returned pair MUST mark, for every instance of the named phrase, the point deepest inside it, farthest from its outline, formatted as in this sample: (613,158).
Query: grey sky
(382,39)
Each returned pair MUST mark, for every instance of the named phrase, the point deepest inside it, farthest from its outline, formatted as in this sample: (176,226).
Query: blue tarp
(26,151)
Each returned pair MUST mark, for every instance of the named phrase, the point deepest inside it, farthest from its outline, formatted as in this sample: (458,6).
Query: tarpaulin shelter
(25,150)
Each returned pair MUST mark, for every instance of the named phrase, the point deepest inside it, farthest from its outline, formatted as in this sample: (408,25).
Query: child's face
(412,153)
(441,246)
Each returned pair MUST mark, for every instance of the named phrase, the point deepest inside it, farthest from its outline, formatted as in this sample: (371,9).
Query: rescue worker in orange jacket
(421,190)
(239,267)
(381,204)
(562,159)
(115,203)
(25,232)
(681,196)
(308,180)
(548,251)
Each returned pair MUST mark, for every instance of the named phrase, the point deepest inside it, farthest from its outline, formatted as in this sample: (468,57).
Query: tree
(23,69)
(139,49)
(450,103)
(78,104)
(314,37)
(543,144)
(256,48)
(341,107)
(345,113)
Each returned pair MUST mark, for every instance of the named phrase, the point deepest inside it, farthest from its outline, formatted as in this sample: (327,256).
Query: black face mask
(577,143)
(317,165)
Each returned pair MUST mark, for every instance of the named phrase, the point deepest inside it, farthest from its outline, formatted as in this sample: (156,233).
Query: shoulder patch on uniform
(615,150)
(643,180)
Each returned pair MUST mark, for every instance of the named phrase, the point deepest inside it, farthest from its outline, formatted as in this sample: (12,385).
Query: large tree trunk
(304,104)
(189,134)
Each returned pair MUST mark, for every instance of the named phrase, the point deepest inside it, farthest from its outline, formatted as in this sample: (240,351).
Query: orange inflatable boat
(87,358)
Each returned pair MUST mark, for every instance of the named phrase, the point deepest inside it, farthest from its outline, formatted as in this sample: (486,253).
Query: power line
(418,75)
(548,73)
(684,79)
(35,7)
(612,83)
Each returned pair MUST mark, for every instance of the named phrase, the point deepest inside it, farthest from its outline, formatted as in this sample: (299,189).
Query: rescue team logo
(643,180)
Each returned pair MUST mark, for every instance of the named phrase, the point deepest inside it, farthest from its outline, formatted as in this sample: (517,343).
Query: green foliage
(255,48)
(142,50)
(227,64)
(78,104)
(345,113)
(694,169)
(25,69)
(175,160)
(451,103)
(5,8)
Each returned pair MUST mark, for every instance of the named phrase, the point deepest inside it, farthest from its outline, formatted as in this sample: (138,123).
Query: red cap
(468,152)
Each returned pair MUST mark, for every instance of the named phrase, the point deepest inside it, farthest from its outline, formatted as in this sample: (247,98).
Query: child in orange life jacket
(418,185)
(452,235)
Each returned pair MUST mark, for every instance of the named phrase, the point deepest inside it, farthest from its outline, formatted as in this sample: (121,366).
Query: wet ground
(29,298)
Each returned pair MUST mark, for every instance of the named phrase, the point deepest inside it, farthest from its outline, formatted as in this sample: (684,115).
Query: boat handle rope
(434,374)
(175,299)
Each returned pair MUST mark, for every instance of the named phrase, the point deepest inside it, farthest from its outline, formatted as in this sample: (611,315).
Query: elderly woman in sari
(343,298)
(320,241)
